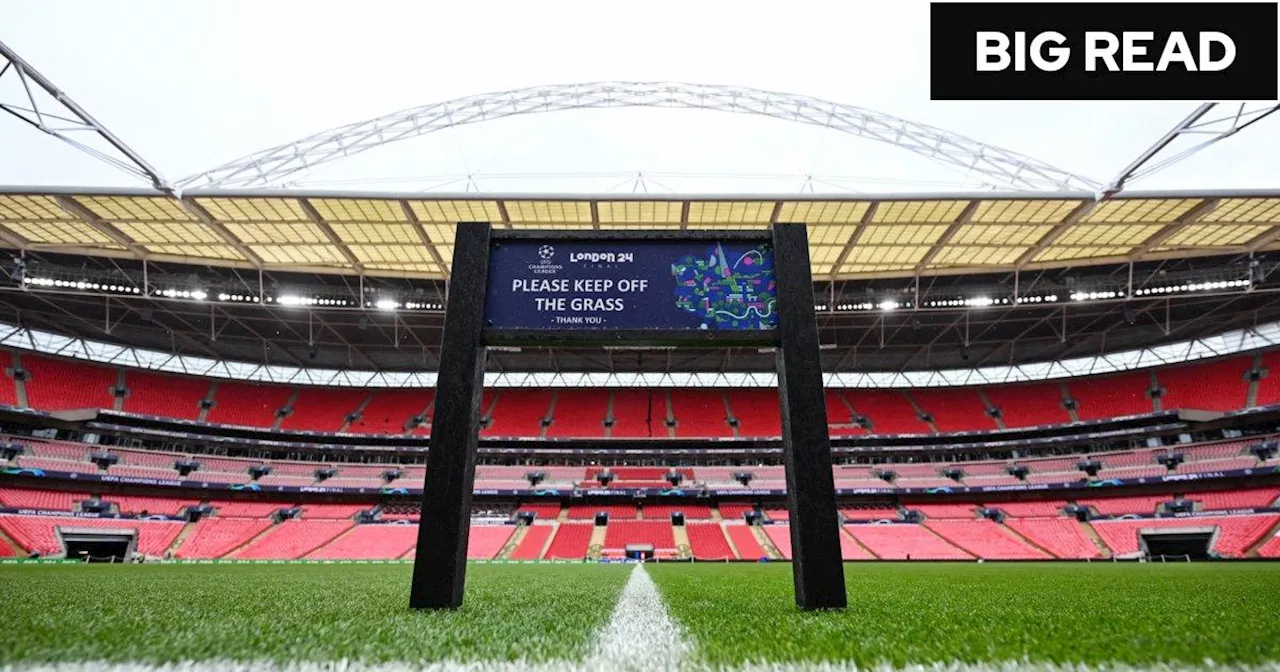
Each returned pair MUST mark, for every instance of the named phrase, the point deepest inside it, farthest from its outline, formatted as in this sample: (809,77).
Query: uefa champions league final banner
(625,284)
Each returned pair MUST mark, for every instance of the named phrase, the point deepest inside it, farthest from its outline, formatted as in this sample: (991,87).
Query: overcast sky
(191,84)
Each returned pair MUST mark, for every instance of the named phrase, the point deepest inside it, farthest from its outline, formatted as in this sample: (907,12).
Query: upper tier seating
(637,413)
(1213,386)
(164,395)
(889,411)
(932,511)
(389,410)
(1112,396)
(519,413)
(247,405)
(1029,405)
(1269,386)
(322,409)
(579,413)
(954,409)
(8,389)
(758,412)
(57,384)
(700,413)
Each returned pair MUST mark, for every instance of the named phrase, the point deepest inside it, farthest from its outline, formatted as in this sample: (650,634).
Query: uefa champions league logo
(546,252)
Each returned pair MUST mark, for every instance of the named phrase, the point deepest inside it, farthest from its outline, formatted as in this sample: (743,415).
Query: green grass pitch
(899,614)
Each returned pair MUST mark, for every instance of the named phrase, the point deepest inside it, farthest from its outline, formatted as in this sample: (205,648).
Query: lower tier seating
(216,537)
(1063,537)
(1235,533)
(570,541)
(534,541)
(40,534)
(985,539)
(292,539)
(707,540)
(905,542)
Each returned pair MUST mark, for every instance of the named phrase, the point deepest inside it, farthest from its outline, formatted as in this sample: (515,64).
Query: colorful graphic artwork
(728,289)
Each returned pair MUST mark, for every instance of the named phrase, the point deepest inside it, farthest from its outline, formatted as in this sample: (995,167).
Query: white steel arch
(997,167)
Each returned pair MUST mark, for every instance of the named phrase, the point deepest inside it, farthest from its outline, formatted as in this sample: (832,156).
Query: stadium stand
(1269,385)
(370,542)
(1213,386)
(623,532)
(707,541)
(1029,405)
(637,413)
(1236,499)
(175,397)
(985,539)
(518,413)
(700,413)
(954,409)
(570,541)
(8,390)
(1235,533)
(485,541)
(292,539)
(1271,549)
(534,541)
(664,511)
(216,537)
(41,533)
(58,385)
(905,542)
(389,410)
(744,540)
(615,511)
(932,511)
(579,413)
(889,411)
(46,500)
(247,405)
(542,511)
(1112,396)
(758,412)
(323,409)
(1063,537)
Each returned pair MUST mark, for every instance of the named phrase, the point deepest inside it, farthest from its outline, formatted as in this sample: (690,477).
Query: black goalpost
(682,288)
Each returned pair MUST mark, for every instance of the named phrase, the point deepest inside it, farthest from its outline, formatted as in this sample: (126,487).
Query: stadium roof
(410,235)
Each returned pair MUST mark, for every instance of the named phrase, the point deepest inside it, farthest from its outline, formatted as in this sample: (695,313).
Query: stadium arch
(997,166)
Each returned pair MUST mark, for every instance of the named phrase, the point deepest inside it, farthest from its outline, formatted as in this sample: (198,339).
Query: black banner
(1103,51)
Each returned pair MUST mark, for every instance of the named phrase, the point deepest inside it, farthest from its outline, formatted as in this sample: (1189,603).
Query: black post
(440,569)
(811,491)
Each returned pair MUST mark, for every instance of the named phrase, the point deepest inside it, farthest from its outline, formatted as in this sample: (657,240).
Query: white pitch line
(640,635)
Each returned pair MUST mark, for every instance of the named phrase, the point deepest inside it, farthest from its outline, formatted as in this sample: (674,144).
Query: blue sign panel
(630,284)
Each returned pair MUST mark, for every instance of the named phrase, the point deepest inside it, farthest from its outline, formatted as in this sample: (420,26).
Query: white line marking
(640,635)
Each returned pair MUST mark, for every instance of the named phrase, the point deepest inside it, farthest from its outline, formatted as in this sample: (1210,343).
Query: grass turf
(899,613)
(924,613)
(162,613)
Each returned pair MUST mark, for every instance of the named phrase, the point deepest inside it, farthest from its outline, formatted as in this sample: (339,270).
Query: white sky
(191,84)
